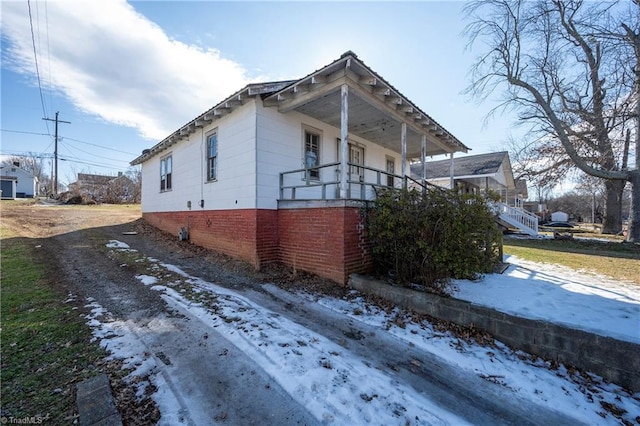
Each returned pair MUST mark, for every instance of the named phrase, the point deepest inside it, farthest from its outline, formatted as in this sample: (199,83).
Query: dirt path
(196,367)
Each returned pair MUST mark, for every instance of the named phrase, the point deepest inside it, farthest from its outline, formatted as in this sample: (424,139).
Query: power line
(46,17)
(99,146)
(68,138)
(91,153)
(26,133)
(35,57)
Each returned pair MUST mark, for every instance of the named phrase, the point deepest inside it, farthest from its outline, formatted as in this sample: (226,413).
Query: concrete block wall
(615,360)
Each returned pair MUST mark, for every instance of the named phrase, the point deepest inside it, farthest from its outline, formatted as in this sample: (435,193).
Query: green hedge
(428,238)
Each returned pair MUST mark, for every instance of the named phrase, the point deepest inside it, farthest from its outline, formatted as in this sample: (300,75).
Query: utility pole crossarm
(55,151)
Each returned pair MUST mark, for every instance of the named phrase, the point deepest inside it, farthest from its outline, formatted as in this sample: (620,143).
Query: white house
(479,174)
(260,175)
(17,183)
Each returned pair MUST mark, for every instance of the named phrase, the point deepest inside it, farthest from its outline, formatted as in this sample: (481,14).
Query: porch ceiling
(376,109)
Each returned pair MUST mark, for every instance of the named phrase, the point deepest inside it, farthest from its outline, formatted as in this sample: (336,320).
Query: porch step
(511,217)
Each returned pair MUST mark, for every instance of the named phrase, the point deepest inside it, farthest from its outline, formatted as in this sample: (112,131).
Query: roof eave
(223,108)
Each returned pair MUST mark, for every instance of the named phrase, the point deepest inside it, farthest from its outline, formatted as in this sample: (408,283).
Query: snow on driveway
(337,387)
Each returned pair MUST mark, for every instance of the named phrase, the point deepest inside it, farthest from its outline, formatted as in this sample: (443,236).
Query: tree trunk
(633,232)
(613,206)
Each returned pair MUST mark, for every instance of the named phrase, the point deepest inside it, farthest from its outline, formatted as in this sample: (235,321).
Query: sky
(562,295)
(127,74)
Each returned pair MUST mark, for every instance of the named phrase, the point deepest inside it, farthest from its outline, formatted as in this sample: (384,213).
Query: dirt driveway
(203,375)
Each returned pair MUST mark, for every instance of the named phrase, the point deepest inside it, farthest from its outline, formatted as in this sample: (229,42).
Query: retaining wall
(615,360)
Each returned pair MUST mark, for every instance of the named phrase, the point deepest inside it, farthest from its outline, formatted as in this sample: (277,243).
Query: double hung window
(166,167)
(391,169)
(212,157)
(312,153)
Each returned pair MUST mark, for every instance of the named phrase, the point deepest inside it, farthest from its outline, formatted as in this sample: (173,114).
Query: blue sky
(127,74)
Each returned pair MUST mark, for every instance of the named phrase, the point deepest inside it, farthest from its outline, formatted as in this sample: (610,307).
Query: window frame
(212,170)
(390,179)
(355,169)
(166,173)
(308,130)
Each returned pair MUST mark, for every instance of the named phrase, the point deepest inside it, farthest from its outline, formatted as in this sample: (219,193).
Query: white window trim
(312,130)
(170,180)
(207,136)
(391,159)
(358,145)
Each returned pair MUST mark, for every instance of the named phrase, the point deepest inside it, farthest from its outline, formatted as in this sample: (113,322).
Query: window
(212,157)
(356,156)
(355,159)
(312,152)
(165,173)
(391,168)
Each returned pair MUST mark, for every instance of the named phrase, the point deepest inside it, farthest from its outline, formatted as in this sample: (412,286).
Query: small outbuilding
(559,216)
(17,182)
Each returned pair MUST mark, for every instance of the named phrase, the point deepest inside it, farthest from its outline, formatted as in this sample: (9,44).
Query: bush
(432,237)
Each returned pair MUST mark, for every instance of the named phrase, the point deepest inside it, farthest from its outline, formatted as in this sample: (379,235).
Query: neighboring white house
(277,171)
(17,183)
(471,173)
(479,174)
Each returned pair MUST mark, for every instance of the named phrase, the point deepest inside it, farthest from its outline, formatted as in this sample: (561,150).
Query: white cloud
(112,62)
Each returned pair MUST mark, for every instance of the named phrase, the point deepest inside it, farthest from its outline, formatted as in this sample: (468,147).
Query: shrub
(428,238)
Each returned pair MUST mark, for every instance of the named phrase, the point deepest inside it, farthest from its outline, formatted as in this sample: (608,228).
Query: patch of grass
(45,342)
(616,260)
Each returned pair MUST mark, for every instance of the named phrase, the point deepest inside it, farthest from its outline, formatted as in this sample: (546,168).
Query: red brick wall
(329,242)
(232,232)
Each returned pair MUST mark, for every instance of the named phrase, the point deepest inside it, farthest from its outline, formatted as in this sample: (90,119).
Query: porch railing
(323,182)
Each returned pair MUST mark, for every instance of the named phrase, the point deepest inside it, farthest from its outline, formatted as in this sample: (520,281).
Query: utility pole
(55,152)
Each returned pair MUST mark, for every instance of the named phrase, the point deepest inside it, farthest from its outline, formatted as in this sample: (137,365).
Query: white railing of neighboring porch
(516,217)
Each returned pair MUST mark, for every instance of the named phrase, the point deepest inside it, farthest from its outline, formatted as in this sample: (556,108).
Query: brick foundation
(233,232)
(328,241)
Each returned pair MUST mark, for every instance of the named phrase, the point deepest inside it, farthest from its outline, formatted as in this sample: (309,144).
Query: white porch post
(344,139)
(451,172)
(403,143)
(423,159)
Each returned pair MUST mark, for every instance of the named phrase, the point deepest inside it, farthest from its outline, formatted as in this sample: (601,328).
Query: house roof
(92,179)
(470,167)
(376,108)
(10,170)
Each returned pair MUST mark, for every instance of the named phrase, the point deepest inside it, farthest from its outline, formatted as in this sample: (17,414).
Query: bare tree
(135,175)
(571,70)
(594,189)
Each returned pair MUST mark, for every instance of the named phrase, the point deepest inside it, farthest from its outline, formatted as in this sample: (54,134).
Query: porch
(324,182)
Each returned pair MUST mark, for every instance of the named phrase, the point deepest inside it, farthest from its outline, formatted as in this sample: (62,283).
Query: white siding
(236,177)
(241,182)
(280,148)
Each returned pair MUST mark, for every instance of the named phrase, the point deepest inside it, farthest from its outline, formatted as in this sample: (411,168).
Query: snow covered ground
(577,299)
(338,388)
